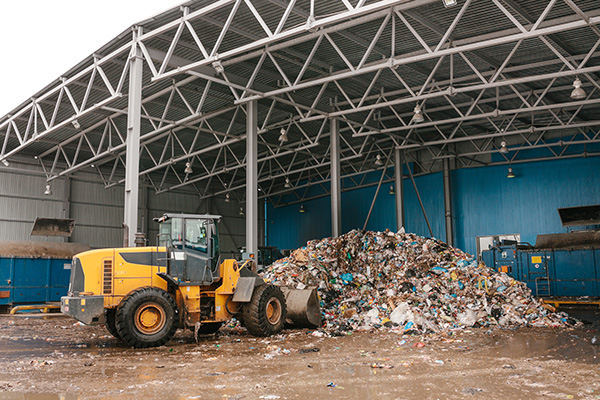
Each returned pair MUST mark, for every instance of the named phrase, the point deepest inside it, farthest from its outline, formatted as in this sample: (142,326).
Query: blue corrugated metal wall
(289,229)
(484,202)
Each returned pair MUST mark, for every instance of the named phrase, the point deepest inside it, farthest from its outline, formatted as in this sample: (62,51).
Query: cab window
(165,237)
(196,235)
(177,232)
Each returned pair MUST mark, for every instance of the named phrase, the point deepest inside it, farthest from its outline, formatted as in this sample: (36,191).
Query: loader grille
(107,288)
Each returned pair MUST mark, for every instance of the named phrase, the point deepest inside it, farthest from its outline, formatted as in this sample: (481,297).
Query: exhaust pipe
(303,308)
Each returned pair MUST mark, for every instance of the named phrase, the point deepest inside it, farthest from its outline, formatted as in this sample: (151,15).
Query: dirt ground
(53,357)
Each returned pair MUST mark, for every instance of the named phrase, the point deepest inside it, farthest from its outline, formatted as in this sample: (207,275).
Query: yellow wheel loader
(143,294)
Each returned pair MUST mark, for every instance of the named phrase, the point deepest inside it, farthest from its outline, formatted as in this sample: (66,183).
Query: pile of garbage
(409,283)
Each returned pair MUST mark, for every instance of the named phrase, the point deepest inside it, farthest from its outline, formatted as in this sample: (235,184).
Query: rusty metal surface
(580,216)
(571,240)
(53,227)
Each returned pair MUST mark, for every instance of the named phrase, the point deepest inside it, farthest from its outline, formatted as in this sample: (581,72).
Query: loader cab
(192,243)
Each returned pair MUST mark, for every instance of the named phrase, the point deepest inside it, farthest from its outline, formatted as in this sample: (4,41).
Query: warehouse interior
(318,72)
(299,120)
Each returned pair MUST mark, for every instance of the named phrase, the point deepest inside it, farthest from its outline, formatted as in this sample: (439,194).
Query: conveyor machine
(560,264)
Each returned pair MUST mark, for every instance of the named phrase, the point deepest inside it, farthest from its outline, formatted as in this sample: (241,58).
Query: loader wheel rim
(273,311)
(150,318)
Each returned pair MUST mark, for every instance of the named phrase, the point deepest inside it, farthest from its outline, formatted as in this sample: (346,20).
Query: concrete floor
(53,357)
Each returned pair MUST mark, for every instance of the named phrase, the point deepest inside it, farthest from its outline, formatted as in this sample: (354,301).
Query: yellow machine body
(107,273)
(143,294)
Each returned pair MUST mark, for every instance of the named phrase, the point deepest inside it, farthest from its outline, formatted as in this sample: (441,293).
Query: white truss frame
(210,138)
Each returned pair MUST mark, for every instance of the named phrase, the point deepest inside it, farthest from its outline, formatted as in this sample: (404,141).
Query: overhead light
(378,160)
(578,93)
(503,148)
(418,117)
(241,211)
(76,124)
(259,189)
(287,183)
(283,135)
(392,191)
(188,168)
(92,166)
(302,209)
(510,174)
(218,67)
(5,162)
(227,199)
(450,3)
(48,190)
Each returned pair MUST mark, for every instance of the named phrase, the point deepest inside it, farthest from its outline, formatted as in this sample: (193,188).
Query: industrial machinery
(267,255)
(143,294)
(561,264)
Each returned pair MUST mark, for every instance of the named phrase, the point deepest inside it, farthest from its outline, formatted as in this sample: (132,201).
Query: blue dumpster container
(35,273)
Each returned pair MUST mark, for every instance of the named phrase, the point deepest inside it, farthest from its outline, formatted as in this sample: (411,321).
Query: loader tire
(265,314)
(110,321)
(147,317)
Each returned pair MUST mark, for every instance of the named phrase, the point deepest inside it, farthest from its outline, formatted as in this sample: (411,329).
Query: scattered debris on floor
(407,283)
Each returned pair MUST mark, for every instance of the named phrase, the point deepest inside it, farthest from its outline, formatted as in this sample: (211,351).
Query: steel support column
(145,223)
(448,203)
(336,189)
(133,142)
(399,190)
(67,202)
(261,222)
(252,178)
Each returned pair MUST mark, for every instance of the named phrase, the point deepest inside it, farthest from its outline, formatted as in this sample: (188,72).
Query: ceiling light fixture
(503,148)
(227,199)
(450,3)
(241,211)
(578,93)
(510,174)
(218,67)
(283,135)
(48,191)
(188,168)
(418,117)
(76,124)
(378,160)
(392,191)
(5,162)
(302,209)
(287,183)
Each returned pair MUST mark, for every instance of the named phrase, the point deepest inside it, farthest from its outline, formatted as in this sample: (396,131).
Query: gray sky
(40,39)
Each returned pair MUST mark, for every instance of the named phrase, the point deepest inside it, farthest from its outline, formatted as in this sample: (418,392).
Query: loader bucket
(53,227)
(303,308)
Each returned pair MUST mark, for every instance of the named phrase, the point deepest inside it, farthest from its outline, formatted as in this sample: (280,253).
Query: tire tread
(126,309)
(254,313)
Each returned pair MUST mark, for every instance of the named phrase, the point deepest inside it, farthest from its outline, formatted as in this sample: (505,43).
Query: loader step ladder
(542,286)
